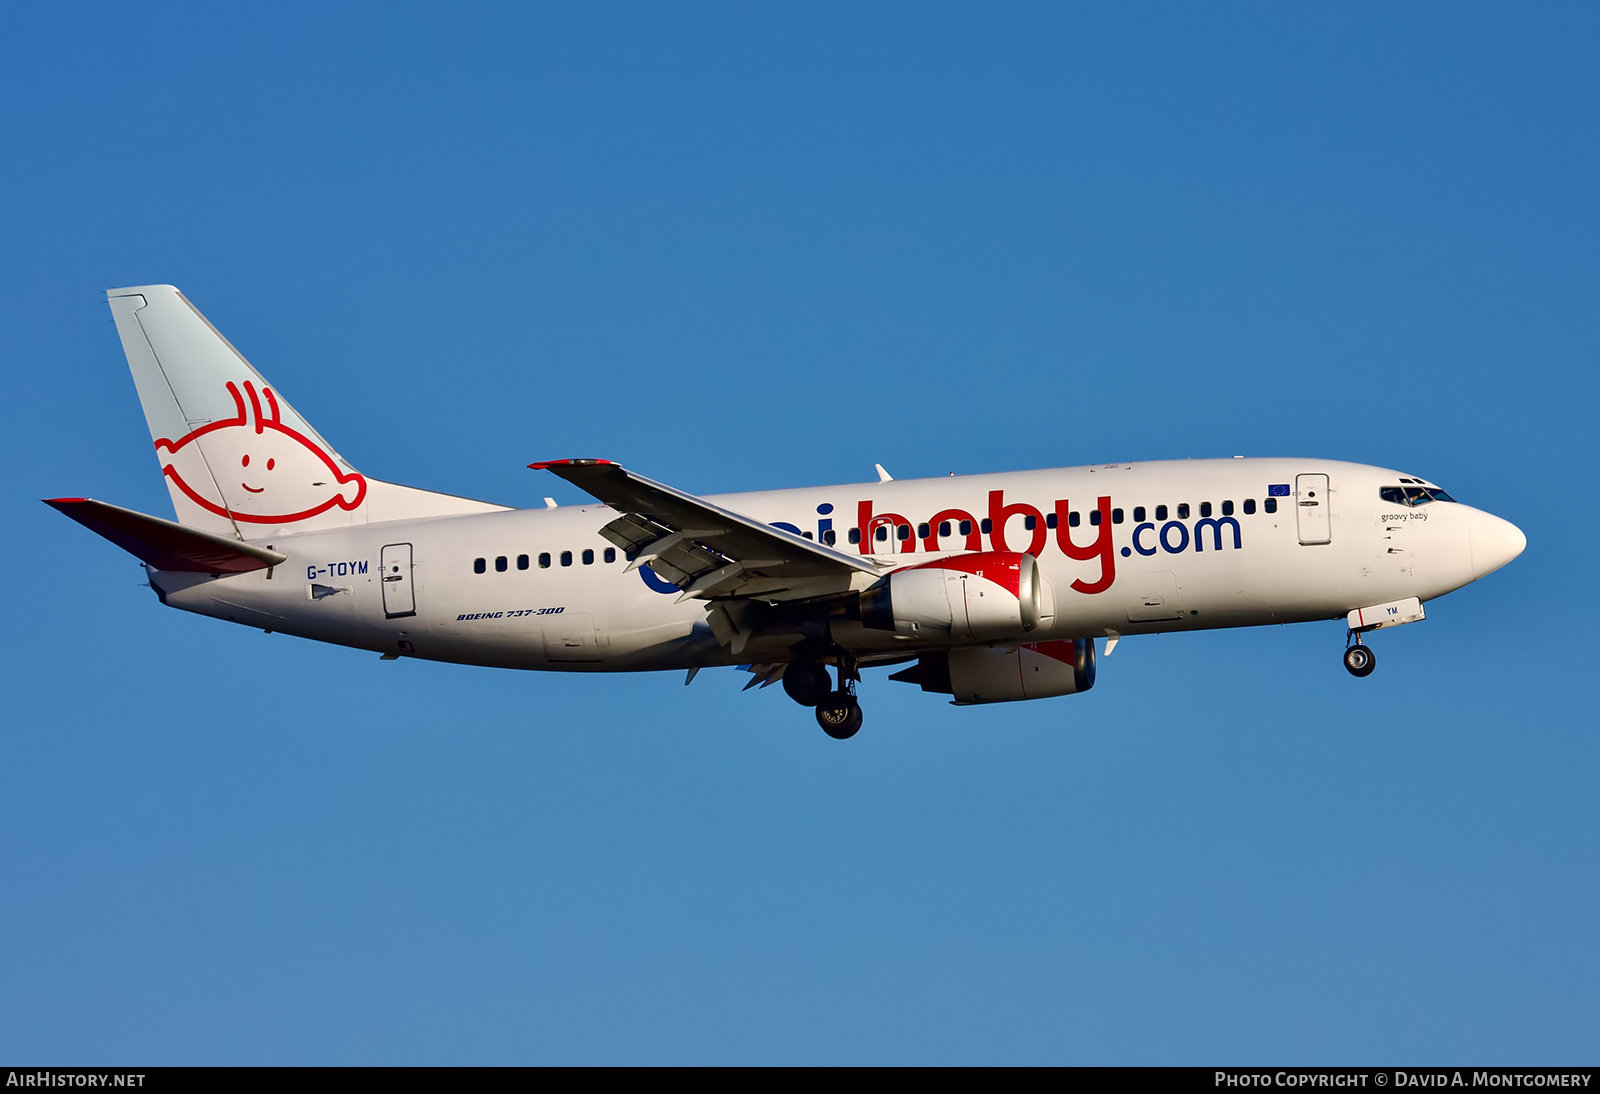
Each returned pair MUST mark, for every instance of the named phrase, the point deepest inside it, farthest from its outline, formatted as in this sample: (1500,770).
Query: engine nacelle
(991,594)
(983,674)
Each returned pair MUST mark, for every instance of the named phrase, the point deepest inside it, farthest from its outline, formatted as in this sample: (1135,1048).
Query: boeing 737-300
(987,588)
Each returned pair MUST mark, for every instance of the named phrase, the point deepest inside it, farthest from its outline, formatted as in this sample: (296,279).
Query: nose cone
(1495,542)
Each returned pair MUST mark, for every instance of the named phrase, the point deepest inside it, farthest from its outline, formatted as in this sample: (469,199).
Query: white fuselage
(1185,552)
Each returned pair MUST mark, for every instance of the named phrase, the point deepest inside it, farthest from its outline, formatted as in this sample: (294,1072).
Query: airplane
(985,588)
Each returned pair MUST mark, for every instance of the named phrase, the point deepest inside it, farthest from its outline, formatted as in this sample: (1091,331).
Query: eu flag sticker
(1278,490)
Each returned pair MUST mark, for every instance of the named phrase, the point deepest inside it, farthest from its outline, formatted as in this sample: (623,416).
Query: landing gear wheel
(807,683)
(1360,660)
(839,715)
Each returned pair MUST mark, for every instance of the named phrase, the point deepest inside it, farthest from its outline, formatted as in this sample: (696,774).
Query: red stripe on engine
(1004,568)
(1063,650)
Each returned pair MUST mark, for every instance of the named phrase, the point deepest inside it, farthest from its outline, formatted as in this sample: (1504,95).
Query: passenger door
(1311,514)
(398,597)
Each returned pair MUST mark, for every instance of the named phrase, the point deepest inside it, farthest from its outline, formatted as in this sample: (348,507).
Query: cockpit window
(1412,495)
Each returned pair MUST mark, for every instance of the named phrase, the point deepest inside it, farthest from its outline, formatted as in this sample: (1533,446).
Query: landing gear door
(1311,509)
(398,597)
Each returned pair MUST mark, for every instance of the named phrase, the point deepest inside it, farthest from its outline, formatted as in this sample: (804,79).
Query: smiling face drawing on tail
(268,473)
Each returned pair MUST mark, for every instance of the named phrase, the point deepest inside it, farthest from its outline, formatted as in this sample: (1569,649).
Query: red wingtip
(545,465)
(63,501)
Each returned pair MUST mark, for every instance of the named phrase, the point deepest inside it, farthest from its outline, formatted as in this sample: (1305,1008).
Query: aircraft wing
(164,544)
(708,551)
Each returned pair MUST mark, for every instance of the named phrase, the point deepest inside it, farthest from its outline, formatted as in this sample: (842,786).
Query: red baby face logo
(268,472)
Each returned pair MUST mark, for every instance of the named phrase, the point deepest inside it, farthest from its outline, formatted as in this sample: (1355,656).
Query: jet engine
(991,594)
(984,674)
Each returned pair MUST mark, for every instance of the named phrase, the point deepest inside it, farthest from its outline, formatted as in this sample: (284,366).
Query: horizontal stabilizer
(164,544)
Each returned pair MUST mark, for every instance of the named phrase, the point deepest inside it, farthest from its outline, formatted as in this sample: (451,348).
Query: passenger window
(1183,511)
(588,557)
(1116,516)
(1227,508)
(1249,506)
(1138,514)
(610,556)
(566,558)
(1205,509)
(1270,505)
(882,534)
(1094,516)
(1161,512)
(902,532)
(807,535)
(986,526)
(944,528)
(1030,522)
(854,536)
(522,562)
(965,528)
(1049,520)
(500,564)
(828,537)
(544,560)
(480,566)
(922,531)
(1074,519)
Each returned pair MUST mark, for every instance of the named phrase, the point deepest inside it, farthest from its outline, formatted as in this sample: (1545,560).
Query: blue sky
(748,246)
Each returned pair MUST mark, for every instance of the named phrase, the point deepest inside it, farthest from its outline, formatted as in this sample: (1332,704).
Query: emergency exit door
(1311,515)
(398,597)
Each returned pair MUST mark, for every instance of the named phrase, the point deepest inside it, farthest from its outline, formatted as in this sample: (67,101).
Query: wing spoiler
(164,544)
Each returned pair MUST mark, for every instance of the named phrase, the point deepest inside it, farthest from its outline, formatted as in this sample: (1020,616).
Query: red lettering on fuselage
(1102,546)
(869,523)
(1001,515)
(1000,512)
(974,537)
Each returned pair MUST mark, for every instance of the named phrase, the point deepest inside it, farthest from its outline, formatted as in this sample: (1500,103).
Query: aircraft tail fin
(238,459)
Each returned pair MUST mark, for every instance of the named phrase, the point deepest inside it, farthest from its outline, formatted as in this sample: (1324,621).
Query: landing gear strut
(1359,659)
(838,713)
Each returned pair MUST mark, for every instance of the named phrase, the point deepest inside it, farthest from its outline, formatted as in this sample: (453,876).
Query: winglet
(883,476)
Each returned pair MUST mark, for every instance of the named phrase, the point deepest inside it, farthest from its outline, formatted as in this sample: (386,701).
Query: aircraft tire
(839,715)
(1360,660)
(806,682)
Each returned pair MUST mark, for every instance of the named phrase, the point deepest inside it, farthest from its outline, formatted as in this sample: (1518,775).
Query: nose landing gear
(1359,659)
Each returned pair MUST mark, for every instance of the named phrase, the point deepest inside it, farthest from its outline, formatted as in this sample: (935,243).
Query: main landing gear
(1359,659)
(838,713)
